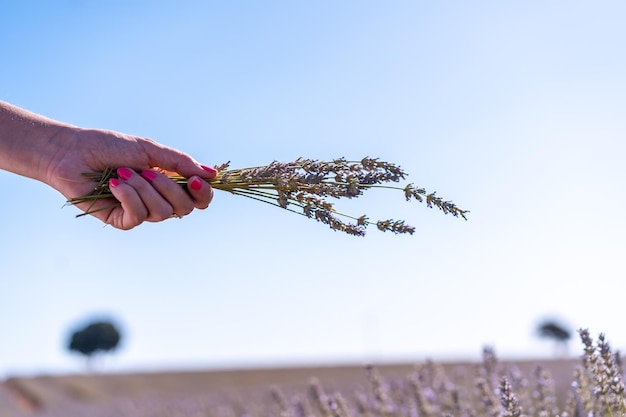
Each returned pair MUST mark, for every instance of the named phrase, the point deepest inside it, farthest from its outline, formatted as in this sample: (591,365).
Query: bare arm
(57,153)
(26,141)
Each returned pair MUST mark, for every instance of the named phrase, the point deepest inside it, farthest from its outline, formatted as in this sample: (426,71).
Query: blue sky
(513,110)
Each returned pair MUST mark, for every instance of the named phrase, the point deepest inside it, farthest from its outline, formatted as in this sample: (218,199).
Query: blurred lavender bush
(485,389)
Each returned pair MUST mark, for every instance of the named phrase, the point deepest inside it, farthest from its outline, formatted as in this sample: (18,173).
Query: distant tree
(560,334)
(99,336)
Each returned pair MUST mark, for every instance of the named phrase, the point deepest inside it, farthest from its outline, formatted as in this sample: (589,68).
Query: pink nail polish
(114,182)
(195,184)
(210,170)
(149,175)
(124,173)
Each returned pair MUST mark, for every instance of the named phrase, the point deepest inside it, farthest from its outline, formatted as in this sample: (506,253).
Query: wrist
(29,142)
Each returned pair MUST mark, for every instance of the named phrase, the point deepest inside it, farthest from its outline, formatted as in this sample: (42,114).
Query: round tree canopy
(98,336)
(555,331)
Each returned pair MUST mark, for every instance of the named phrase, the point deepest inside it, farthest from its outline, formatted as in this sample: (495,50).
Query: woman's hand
(145,193)
(58,154)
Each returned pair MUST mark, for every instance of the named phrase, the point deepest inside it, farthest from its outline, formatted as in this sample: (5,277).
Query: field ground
(27,396)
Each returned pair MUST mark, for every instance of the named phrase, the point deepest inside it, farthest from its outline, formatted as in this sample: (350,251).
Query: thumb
(171,159)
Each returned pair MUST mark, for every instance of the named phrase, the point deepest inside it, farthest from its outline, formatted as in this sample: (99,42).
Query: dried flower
(508,400)
(602,375)
(303,187)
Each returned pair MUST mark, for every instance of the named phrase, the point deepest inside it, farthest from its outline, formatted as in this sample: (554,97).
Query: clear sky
(513,110)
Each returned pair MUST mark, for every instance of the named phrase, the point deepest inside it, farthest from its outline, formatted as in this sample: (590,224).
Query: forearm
(59,155)
(27,141)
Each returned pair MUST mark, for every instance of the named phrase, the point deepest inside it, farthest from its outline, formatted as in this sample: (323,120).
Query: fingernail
(195,184)
(114,182)
(210,170)
(124,173)
(149,175)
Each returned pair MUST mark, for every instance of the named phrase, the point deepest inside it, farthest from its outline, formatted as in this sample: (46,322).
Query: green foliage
(100,336)
(550,329)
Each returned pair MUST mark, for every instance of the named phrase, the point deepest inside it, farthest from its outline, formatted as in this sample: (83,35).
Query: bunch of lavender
(599,381)
(304,186)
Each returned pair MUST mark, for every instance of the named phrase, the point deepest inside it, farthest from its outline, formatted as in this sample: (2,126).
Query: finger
(174,160)
(180,202)
(131,212)
(200,191)
(157,206)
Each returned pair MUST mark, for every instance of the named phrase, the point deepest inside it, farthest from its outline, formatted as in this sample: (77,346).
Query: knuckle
(135,218)
(186,211)
(162,213)
(185,208)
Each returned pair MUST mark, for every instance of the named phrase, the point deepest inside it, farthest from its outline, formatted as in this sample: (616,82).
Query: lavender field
(426,389)
(588,385)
